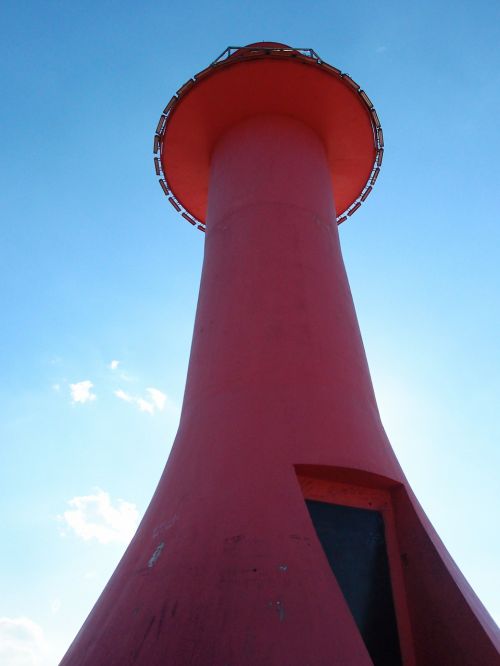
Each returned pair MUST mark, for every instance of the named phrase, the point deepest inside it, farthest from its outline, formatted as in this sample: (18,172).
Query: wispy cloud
(145,406)
(381,49)
(124,396)
(114,364)
(22,642)
(82,392)
(156,401)
(158,398)
(97,517)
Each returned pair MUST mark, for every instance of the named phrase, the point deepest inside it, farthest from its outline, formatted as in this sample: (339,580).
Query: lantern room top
(267,78)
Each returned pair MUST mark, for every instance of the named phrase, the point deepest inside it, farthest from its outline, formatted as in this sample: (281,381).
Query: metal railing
(234,54)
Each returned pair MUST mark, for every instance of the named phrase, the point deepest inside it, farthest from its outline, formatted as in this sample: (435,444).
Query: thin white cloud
(114,364)
(124,396)
(56,387)
(157,401)
(97,517)
(145,406)
(22,642)
(82,392)
(158,398)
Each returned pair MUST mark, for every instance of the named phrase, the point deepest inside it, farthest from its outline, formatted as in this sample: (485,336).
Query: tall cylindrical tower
(283,531)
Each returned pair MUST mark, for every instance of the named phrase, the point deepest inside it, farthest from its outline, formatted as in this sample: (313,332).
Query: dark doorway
(354,543)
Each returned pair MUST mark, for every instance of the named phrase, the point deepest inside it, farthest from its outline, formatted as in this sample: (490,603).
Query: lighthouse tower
(283,531)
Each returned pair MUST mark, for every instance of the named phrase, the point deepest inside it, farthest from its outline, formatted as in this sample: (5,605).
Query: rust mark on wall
(154,557)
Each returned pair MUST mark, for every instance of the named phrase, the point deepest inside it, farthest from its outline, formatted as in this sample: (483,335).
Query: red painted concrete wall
(226,568)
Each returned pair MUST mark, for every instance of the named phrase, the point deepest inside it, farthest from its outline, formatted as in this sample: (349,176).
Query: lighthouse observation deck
(267,79)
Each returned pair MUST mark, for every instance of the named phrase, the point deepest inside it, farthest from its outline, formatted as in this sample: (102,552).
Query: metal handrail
(245,52)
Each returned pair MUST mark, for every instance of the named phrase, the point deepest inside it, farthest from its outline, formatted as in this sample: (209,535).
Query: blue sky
(96,267)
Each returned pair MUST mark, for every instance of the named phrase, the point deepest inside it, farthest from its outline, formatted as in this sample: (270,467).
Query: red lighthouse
(283,531)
